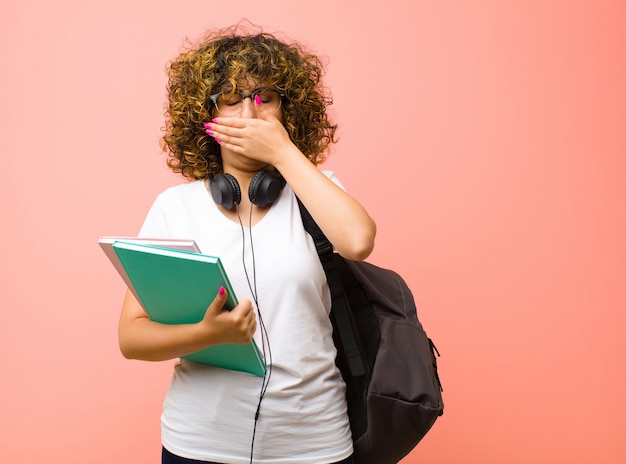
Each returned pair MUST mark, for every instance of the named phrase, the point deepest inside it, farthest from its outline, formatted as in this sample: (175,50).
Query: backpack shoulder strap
(340,305)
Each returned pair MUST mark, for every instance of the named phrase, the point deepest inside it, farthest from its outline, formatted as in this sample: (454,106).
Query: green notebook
(176,287)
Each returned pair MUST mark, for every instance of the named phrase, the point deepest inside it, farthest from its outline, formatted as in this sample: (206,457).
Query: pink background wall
(487,138)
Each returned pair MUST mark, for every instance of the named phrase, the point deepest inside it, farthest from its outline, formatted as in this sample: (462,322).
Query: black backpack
(386,359)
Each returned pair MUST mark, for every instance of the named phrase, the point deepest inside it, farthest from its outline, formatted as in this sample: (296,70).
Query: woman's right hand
(229,326)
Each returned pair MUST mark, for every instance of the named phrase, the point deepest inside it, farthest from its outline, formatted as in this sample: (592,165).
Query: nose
(248,109)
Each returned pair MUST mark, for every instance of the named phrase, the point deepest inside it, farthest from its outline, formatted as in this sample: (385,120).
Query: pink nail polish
(207,125)
(214,120)
(257,100)
(209,131)
(222,291)
(218,140)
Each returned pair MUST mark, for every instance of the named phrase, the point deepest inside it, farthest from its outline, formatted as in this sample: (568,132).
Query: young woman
(247,126)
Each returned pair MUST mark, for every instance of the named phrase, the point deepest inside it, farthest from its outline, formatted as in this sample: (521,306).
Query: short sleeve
(331,176)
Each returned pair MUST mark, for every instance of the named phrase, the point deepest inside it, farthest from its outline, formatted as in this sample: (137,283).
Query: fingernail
(207,125)
(209,131)
(218,140)
(222,291)
(257,100)
(214,120)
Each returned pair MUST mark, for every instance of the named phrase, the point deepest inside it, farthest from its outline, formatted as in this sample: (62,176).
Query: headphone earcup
(225,190)
(265,187)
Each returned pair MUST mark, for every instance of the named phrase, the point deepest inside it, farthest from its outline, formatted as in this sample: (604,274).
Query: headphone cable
(265,343)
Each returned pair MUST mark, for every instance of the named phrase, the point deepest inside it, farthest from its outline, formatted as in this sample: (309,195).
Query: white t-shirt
(208,413)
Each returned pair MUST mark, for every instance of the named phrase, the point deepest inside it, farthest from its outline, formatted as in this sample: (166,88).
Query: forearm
(144,339)
(342,219)
(147,340)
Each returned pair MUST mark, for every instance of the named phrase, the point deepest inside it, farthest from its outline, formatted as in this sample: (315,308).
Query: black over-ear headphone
(264,189)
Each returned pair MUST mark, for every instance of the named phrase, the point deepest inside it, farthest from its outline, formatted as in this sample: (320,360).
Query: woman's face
(242,104)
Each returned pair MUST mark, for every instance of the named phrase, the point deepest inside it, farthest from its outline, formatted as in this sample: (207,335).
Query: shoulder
(173,206)
(176,197)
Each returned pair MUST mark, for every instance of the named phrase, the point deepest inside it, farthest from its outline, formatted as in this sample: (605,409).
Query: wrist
(289,157)
(202,334)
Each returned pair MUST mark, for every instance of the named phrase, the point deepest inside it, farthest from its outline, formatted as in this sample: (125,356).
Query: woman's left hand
(262,138)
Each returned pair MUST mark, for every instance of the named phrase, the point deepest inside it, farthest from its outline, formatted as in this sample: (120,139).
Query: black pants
(169,458)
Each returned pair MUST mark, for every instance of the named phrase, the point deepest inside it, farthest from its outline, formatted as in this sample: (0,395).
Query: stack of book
(175,284)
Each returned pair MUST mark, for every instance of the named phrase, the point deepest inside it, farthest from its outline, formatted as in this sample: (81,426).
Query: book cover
(106,243)
(176,287)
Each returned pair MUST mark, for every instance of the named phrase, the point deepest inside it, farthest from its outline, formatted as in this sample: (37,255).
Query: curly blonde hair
(222,61)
